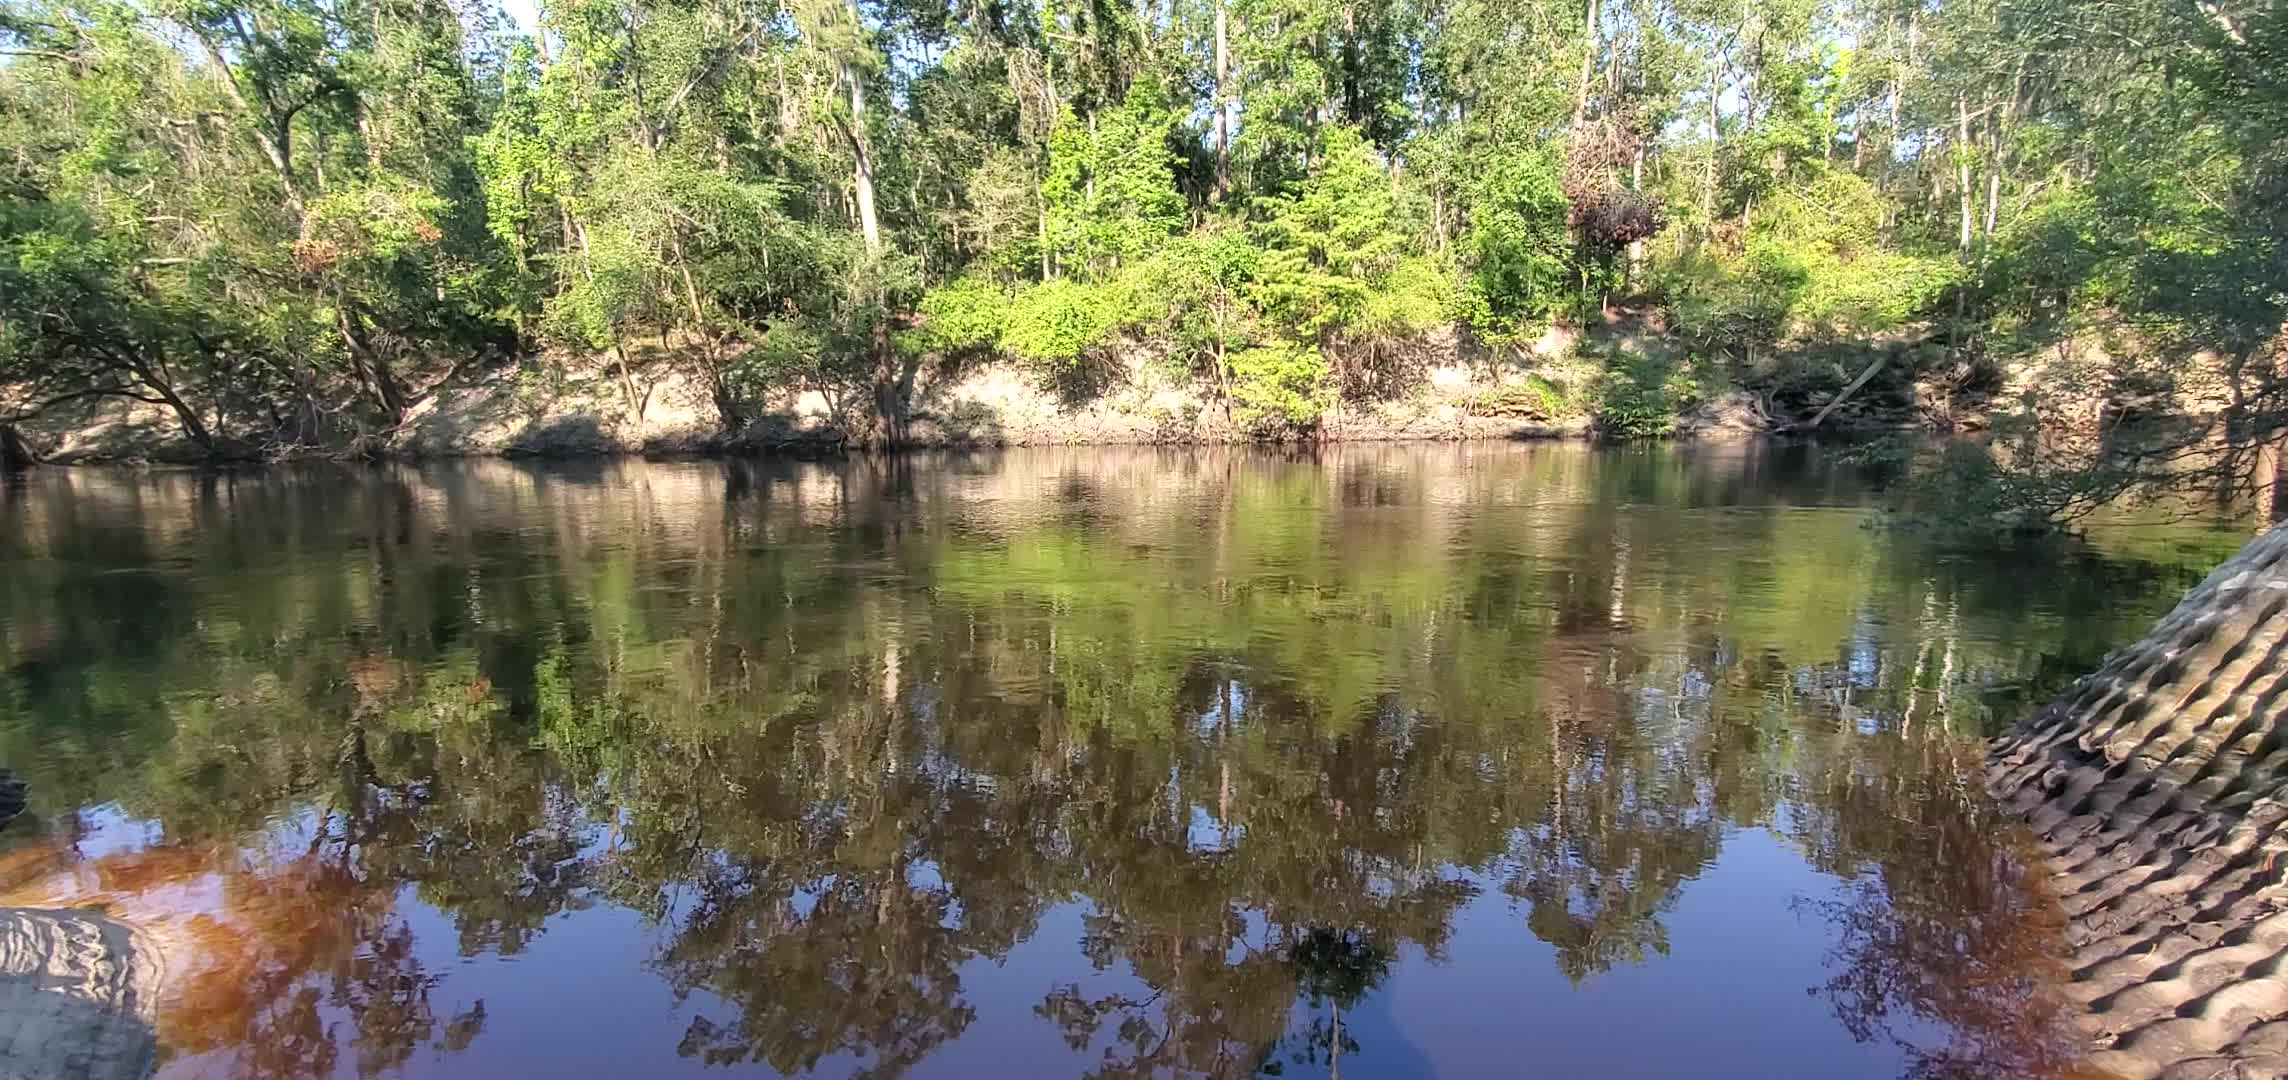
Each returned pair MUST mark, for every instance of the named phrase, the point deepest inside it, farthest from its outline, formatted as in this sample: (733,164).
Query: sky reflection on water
(1387,760)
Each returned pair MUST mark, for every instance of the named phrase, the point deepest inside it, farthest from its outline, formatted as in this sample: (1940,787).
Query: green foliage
(1003,215)
(1191,295)
(1534,396)
(969,312)
(313,217)
(1057,322)
(1279,384)
(1524,270)
(1818,246)
(1329,243)
(1108,194)
(1548,396)
(81,321)
(1814,265)
(1637,393)
(1419,294)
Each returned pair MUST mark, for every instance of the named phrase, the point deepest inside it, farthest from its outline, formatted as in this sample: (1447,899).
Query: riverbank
(1617,382)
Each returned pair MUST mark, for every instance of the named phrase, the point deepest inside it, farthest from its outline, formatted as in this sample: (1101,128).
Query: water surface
(1388,760)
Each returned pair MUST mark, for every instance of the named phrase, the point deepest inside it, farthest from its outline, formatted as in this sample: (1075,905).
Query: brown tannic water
(1385,761)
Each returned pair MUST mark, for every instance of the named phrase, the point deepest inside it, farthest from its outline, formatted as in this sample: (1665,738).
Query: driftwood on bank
(1844,395)
(2158,786)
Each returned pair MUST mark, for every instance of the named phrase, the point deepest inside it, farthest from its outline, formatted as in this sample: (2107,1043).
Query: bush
(966,313)
(1637,395)
(1279,384)
(1055,322)
(1417,295)
(1631,408)
(1520,248)
(1812,264)
(1534,397)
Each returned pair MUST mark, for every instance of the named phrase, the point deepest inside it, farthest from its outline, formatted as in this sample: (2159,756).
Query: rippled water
(1387,761)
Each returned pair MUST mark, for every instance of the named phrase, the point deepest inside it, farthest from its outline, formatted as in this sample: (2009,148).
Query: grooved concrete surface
(76,997)
(2158,786)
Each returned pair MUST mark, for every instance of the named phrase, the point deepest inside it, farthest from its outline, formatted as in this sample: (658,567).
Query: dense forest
(286,223)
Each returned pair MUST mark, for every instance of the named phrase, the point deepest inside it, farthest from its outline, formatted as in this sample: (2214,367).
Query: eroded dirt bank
(559,405)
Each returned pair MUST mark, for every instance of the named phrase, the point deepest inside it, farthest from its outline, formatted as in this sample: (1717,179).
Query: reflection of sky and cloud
(1397,760)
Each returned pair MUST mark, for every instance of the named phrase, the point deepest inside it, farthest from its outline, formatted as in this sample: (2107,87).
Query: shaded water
(1390,760)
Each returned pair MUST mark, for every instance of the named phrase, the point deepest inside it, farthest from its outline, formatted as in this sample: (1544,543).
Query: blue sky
(524,13)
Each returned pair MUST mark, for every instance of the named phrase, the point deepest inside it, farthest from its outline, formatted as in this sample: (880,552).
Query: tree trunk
(1962,152)
(1223,99)
(1845,394)
(15,454)
(1636,246)
(271,134)
(893,389)
(1354,99)
(862,167)
(1891,130)
(1041,222)
(193,426)
(1993,193)
(635,401)
(1994,135)
(1899,75)
(1588,64)
(861,152)
(373,369)
(728,415)
(1715,142)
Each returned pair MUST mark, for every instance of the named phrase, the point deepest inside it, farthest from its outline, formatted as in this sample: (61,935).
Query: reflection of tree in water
(301,956)
(868,970)
(1335,968)
(293,948)
(1206,1015)
(1628,821)
(836,746)
(1939,919)
(1211,1015)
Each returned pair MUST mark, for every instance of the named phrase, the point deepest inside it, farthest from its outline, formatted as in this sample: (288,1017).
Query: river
(1380,760)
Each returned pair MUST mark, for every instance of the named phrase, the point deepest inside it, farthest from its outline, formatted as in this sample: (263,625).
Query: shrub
(1278,384)
(1534,397)
(1520,249)
(1812,263)
(1635,395)
(969,312)
(1056,322)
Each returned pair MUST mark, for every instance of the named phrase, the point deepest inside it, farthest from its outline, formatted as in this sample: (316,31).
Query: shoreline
(830,449)
(579,411)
